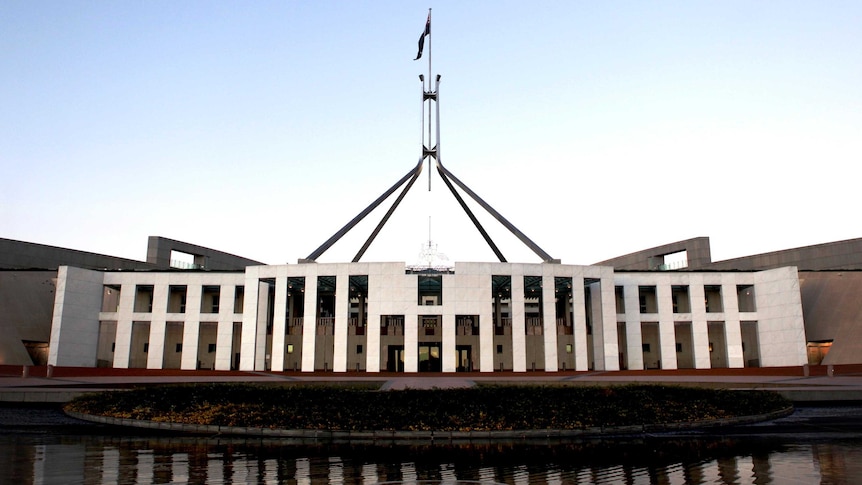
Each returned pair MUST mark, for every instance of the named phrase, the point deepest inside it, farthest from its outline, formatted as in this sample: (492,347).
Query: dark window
(211,348)
(645,347)
(359,349)
(499,349)
(430,289)
(179,348)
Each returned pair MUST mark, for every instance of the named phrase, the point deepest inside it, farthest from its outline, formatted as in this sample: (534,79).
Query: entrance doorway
(429,357)
(395,361)
(464,356)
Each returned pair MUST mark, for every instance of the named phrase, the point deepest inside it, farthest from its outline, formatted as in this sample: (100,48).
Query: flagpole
(429,89)
(429,48)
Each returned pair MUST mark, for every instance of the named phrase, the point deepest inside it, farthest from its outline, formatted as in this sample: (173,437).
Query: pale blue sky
(598,128)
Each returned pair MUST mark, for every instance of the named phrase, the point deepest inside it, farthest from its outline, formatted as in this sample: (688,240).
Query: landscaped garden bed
(482,408)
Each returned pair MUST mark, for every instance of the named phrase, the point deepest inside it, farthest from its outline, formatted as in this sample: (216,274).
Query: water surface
(47,450)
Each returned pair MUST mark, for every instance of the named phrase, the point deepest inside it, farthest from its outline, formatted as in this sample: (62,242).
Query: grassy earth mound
(482,408)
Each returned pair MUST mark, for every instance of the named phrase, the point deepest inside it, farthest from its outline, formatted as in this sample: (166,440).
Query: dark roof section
(698,252)
(26,255)
(828,256)
(838,255)
(159,255)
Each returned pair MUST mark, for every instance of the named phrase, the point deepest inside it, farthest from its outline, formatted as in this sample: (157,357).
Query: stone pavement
(800,384)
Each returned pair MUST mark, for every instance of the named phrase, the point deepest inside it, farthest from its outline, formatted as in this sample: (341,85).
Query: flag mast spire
(428,95)
(428,32)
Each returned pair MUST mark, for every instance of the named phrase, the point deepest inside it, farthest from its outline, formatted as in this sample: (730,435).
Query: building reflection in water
(110,460)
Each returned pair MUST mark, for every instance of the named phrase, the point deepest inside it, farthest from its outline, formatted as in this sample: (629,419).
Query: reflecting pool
(60,455)
(63,459)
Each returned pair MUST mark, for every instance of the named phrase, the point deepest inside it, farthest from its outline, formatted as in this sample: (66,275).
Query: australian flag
(427,31)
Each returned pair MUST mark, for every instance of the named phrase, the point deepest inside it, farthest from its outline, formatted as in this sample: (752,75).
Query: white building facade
(379,317)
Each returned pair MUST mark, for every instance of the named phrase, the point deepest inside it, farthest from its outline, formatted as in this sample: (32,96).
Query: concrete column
(604,311)
(278,324)
(448,356)
(486,332)
(780,327)
(261,352)
(191,327)
(191,341)
(732,330)
(248,343)
(156,354)
(579,325)
(309,322)
(634,332)
(75,322)
(411,342)
(342,315)
(224,344)
(699,328)
(372,337)
(224,330)
(666,327)
(123,339)
(519,331)
(549,319)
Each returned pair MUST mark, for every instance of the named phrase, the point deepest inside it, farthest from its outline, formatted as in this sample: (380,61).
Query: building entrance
(429,357)
(395,361)
(464,356)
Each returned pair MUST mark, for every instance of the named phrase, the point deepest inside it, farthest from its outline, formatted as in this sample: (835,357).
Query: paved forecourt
(800,384)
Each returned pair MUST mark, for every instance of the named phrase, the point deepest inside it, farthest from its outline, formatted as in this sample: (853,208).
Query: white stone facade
(374,317)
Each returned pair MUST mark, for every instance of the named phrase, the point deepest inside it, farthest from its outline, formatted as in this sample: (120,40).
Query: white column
(699,328)
(261,353)
(732,330)
(579,325)
(634,331)
(519,333)
(224,344)
(342,315)
(224,330)
(549,320)
(123,339)
(191,327)
(411,342)
(74,333)
(191,341)
(156,353)
(248,342)
(448,356)
(486,334)
(780,327)
(278,324)
(309,322)
(666,328)
(604,308)
(372,336)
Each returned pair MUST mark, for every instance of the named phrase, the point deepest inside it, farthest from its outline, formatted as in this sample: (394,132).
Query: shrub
(479,408)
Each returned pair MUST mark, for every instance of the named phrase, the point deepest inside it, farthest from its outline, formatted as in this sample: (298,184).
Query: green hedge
(479,408)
